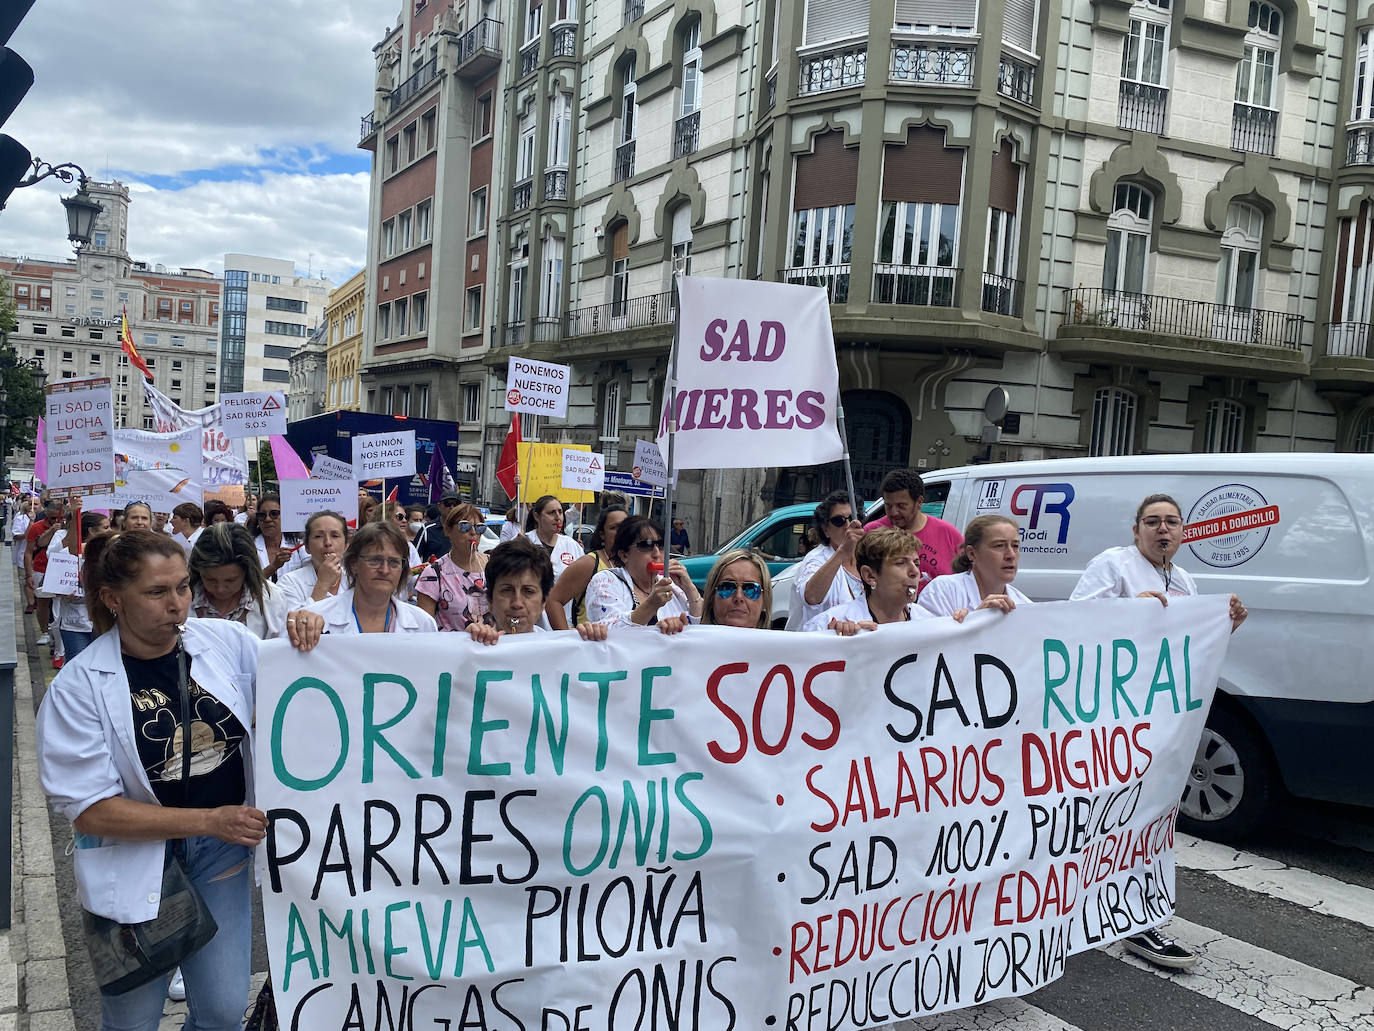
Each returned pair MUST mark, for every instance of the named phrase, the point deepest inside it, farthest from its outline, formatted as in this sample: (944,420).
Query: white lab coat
(339,619)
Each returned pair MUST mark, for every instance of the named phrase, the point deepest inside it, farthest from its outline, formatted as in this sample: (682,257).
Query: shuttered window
(1006,181)
(937,15)
(1018,25)
(925,169)
(620,242)
(827,176)
(828,20)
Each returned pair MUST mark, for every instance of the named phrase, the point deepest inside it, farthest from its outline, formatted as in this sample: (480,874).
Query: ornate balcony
(515,334)
(423,76)
(1141,107)
(1359,145)
(556,184)
(834,279)
(1002,295)
(1348,340)
(529,58)
(927,63)
(613,316)
(1348,361)
(369,128)
(634,10)
(1016,79)
(840,68)
(548,327)
(1253,129)
(522,194)
(685,134)
(479,50)
(935,286)
(564,40)
(624,160)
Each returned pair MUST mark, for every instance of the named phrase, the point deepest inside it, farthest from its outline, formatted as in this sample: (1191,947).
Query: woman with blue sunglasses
(739,591)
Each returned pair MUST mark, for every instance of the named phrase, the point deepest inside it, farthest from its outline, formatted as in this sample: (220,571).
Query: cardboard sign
(255,413)
(79,428)
(538,388)
(384,455)
(62,576)
(326,468)
(649,466)
(300,499)
(583,470)
(541,472)
(232,494)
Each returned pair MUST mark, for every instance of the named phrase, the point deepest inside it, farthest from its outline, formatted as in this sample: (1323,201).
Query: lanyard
(386,623)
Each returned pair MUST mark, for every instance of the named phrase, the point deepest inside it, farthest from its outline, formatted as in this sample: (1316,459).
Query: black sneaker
(1161,950)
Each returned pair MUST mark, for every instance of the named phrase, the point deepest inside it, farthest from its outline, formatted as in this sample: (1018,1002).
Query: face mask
(416,527)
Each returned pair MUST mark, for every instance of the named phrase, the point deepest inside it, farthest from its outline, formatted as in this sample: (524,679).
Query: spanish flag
(126,342)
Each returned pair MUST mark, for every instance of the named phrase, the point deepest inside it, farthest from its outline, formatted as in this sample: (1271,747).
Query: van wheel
(1230,782)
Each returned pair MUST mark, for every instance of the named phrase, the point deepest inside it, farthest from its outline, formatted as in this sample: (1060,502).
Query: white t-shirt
(19,527)
(946,594)
(855,611)
(509,530)
(1124,573)
(844,588)
(610,600)
(71,611)
(565,552)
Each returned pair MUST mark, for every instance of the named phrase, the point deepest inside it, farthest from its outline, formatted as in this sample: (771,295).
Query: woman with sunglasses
(983,571)
(453,589)
(888,561)
(277,552)
(326,536)
(571,587)
(376,567)
(739,591)
(637,592)
(828,576)
(519,576)
(394,511)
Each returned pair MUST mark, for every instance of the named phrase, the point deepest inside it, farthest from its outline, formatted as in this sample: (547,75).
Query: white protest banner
(79,424)
(222,459)
(537,387)
(583,470)
(300,499)
(649,466)
(162,470)
(62,573)
(756,376)
(254,413)
(724,828)
(326,468)
(384,454)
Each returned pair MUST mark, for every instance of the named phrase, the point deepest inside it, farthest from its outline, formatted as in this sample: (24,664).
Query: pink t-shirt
(940,542)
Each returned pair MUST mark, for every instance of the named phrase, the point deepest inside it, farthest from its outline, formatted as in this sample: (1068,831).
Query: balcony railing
(564,40)
(834,279)
(556,184)
(1348,340)
(548,327)
(1016,79)
(522,194)
(483,39)
(685,133)
(936,286)
(1002,295)
(369,127)
(1359,145)
(529,57)
(631,313)
(932,64)
(424,75)
(1176,317)
(1141,107)
(835,69)
(515,334)
(1253,128)
(634,10)
(770,90)
(625,160)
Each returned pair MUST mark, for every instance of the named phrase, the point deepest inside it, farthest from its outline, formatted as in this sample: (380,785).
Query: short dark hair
(908,480)
(214,507)
(377,532)
(515,556)
(628,532)
(823,510)
(189,511)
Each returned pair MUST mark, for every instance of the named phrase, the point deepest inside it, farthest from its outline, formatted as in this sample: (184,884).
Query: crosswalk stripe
(1314,891)
(1002,1015)
(1278,990)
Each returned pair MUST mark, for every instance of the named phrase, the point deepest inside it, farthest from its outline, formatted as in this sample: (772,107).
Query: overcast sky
(234,125)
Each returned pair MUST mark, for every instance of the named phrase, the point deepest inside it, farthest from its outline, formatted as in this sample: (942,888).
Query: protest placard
(756,376)
(726,828)
(649,466)
(222,458)
(541,472)
(326,468)
(384,454)
(62,573)
(300,499)
(232,494)
(79,424)
(539,388)
(583,470)
(254,413)
(627,484)
(162,470)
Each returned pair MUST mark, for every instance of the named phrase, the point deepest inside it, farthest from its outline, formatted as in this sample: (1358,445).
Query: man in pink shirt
(903,495)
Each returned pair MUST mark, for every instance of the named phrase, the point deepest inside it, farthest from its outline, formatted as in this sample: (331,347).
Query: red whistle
(656,567)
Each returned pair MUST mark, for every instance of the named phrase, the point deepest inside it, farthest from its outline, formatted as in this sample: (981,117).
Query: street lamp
(81,209)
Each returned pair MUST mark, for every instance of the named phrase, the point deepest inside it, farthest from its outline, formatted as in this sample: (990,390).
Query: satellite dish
(996,406)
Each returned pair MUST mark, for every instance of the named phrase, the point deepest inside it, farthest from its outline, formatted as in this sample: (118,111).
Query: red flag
(509,462)
(392,496)
(126,342)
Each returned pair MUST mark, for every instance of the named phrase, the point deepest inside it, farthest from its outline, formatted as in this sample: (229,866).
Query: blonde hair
(881,546)
(717,574)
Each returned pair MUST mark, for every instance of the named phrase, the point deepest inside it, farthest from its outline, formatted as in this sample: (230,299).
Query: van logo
(990,496)
(1229,524)
(1049,499)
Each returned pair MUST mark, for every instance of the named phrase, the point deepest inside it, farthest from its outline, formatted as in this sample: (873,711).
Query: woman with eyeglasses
(571,587)
(277,552)
(827,576)
(519,575)
(888,561)
(983,571)
(377,569)
(228,583)
(739,591)
(637,592)
(453,589)
(326,536)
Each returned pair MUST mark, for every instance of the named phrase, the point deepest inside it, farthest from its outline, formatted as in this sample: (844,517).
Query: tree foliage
(23,401)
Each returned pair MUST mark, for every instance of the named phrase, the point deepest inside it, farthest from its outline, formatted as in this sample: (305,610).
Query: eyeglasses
(649,546)
(838,520)
(401,517)
(466,526)
(269,513)
(726,589)
(449,502)
(382,561)
(1154,522)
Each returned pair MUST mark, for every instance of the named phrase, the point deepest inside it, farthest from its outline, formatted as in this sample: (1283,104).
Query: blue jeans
(217,977)
(74,642)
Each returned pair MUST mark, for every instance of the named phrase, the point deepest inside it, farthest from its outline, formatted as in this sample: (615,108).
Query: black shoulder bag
(126,956)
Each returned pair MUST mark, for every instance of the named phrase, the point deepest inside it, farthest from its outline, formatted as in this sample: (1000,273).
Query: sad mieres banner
(726,828)
(756,376)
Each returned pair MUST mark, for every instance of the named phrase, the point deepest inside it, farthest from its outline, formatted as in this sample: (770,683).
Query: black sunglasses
(450,502)
(646,545)
(840,520)
(726,589)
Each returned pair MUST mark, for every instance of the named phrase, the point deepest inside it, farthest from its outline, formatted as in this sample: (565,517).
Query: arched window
(1225,432)
(1144,93)
(1363,442)
(691,67)
(620,270)
(1240,249)
(1128,239)
(1113,428)
(628,100)
(682,240)
(1254,119)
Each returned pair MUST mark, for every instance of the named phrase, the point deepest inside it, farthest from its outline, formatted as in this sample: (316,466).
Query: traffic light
(16,78)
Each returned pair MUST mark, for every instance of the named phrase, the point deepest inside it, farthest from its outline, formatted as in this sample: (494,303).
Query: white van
(1293,536)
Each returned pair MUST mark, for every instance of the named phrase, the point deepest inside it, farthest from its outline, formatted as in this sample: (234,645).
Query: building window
(388,238)
(1362,96)
(691,68)
(1113,428)
(1225,426)
(533,20)
(405,228)
(1352,293)
(1144,65)
(1254,117)
(409,143)
(429,130)
(620,270)
(419,312)
(421,401)
(98,334)
(69,332)
(610,422)
(383,321)
(39,329)
(1128,240)
(403,401)
(68,357)
(822,236)
(481,116)
(551,278)
(1363,442)
(424,218)
(284,329)
(393,162)
(517,292)
(524,154)
(178,341)
(472,403)
(98,313)
(628,99)
(829,20)
(477,212)
(472,309)
(682,240)
(560,130)
(400,311)
(1240,251)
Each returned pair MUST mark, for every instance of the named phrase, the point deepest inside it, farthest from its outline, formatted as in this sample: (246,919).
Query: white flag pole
(670,399)
(848,470)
